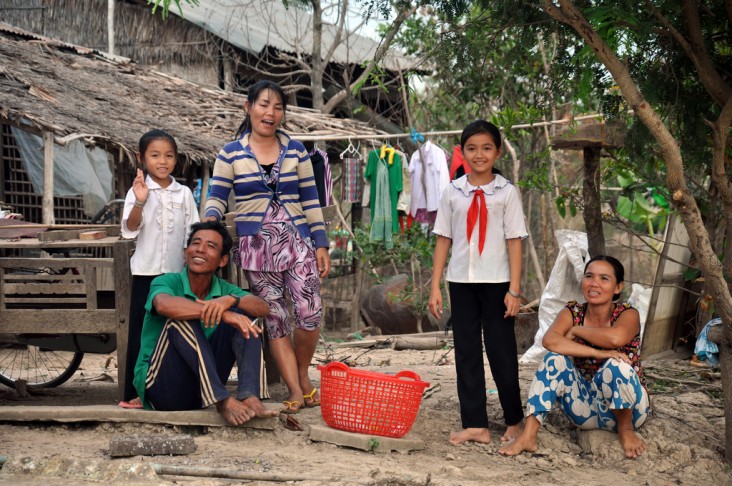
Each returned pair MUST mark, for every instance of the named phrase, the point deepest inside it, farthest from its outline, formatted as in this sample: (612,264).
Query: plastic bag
(705,349)
(565,284)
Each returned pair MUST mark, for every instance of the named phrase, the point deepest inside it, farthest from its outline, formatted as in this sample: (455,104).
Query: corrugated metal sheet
(253,24)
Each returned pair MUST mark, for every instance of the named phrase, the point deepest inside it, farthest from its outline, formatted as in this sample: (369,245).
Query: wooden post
(110,26)
(122,289)
(47,210)
(205,177)
(591,197)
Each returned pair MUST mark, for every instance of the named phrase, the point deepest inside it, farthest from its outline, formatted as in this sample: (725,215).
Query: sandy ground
(685,437)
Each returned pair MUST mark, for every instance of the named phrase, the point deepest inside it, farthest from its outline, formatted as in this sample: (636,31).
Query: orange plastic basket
(367,402)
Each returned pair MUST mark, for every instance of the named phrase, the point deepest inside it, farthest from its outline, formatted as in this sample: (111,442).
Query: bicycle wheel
(39,367)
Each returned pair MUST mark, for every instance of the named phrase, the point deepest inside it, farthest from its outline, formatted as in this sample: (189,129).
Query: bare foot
(524,442)
(512,432)
(470,435)
(256,406)
(234,411)
(631,442)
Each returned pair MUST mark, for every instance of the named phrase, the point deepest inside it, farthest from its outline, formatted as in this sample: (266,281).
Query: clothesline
(310,137)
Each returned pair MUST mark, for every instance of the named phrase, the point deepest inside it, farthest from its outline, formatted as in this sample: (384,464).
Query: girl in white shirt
(480,217)
(158,212)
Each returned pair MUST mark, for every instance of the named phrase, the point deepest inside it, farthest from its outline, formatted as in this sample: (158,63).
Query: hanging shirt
(395,183)
(381,215)
(351,180)
(426,191)
(405,196)
(505,221)
(323,176)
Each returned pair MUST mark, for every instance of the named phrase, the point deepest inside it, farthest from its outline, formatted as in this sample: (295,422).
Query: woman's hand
(612,353)
(323,259)
(139,188)
(512,305)
(435,304)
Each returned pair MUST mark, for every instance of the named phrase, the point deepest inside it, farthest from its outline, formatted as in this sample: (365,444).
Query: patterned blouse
(589,366)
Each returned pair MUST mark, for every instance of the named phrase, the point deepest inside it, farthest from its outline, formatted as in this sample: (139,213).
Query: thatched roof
(75,92)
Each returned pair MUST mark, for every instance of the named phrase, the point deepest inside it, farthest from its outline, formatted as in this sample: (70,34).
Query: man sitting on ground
(186,355)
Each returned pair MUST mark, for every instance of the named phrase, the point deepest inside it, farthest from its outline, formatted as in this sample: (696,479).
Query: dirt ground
(685,436)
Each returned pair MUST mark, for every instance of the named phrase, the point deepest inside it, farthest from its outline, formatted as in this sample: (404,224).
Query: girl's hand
(612,353)
(436,303)
(139,188)
(323,259)
(512,305)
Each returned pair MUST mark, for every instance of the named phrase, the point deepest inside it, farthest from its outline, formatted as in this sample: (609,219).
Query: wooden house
(224,43)
(69,94)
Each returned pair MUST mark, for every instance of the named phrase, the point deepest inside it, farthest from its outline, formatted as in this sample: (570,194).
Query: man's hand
(245,325)
(213,310)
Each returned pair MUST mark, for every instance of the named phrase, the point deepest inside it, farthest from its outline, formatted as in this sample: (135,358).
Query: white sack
(565,284)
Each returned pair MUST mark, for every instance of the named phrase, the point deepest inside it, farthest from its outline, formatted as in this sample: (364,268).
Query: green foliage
(164,5)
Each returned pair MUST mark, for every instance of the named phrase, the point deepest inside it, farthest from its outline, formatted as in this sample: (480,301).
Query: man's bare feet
(256,406)
(512,432)
(470,435)
(631,442)
(234,411)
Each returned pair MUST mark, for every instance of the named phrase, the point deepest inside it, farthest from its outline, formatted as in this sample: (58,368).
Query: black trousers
(477,311)
(138,298)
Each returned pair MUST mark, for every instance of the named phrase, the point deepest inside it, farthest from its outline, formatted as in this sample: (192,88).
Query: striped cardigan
(237,167)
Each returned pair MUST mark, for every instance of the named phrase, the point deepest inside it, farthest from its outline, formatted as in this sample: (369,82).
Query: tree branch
(695,49)
(381,51)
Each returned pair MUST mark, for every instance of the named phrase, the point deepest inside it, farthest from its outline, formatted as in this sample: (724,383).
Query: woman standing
(282,238)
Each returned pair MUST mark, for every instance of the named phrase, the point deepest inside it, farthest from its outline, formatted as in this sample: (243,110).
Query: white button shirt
(505,221)
(166,218)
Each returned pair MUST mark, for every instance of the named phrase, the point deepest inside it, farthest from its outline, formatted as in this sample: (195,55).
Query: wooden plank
(47,208)
(113,413)
(34,301)
(11,262)
(57,321)
(90,276)
(123,285)
(35,243)
(93,235)
(44,288)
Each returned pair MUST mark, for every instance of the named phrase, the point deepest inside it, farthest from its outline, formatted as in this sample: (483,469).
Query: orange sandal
(311,396)
(292,407)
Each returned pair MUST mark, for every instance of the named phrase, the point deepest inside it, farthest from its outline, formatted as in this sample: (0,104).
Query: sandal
(292,407)
(313,401)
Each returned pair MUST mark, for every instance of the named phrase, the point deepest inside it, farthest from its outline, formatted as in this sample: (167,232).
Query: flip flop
(311,396)
(293,407)
(130,405)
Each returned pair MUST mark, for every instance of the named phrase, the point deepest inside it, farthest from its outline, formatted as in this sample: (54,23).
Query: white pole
(110,26)
(47,210)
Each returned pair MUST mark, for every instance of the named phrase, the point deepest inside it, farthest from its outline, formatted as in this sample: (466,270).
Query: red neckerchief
(474,213)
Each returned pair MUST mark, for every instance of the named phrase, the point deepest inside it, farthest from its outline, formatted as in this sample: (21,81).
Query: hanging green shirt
(395,184)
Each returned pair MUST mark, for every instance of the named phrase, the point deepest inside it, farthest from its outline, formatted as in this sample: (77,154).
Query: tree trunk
(566,12)
(316,75)
(591,197)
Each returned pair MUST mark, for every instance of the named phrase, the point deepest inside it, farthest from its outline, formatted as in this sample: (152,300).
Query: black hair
(481,126)
(618,268)
(155,134)
(216,226)
(253,94)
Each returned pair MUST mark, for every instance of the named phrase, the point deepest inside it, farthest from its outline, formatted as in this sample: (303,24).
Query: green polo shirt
(177,285)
